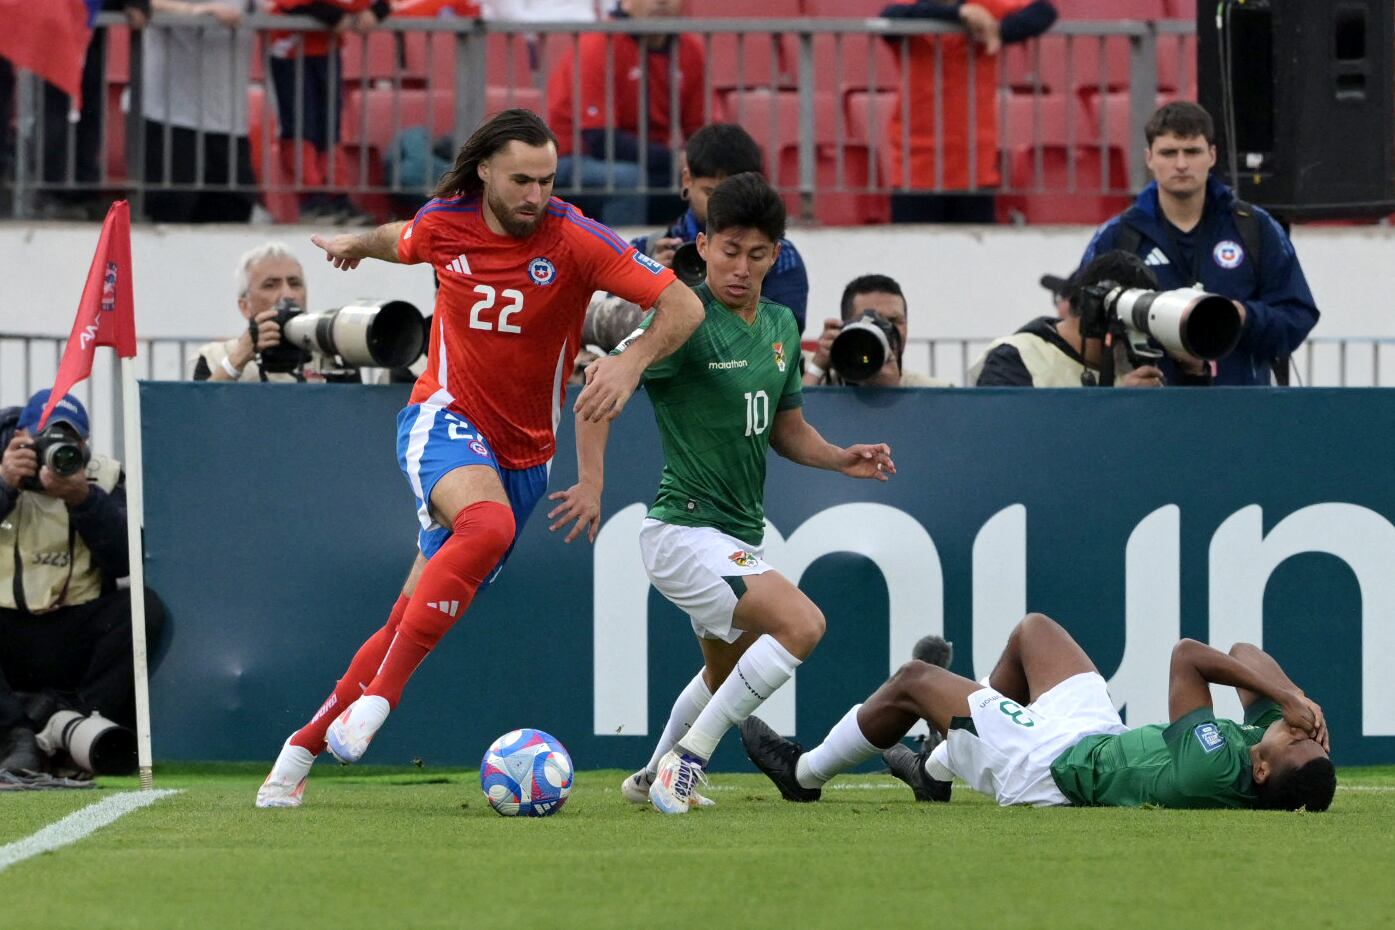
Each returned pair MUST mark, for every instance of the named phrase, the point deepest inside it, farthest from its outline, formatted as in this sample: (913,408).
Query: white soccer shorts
(1007,751)
(699,568)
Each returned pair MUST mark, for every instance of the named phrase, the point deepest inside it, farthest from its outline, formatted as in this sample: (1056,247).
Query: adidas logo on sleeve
(449,608)
(460,265)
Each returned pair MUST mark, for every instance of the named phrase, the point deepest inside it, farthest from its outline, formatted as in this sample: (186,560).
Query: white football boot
(635,789)
(678,779)
(285,784)
(351,732)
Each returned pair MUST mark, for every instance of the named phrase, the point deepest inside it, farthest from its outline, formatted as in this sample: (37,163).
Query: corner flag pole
(135,543)
(106,316)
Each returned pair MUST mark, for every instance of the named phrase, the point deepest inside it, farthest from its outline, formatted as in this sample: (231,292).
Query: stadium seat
(498,99)
(1177,65)
(844,9)
(742,60)
(744,9)
(1181,9)
(1048,119)
(855,63)
(374,115)
(1068,64)
(376,56)
(1107,10)
(868,115)
(1053,195)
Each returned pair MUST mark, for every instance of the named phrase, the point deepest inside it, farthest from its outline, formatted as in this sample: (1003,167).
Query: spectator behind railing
(881,296)
(969,148)
(307,72)
(194,78)
(1193,231)
(713,154)
(589,165)
(1051,352)
(79,201)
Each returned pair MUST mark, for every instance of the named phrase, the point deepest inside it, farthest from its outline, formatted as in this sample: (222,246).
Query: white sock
(370,711)
(690,703)
(937,765)
(759,672)
(843,748)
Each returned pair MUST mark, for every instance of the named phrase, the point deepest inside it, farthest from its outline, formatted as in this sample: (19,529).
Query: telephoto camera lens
(382,334)
(863,346)
(688,265)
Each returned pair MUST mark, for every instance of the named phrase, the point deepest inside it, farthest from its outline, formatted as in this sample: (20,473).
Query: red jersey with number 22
(509,312)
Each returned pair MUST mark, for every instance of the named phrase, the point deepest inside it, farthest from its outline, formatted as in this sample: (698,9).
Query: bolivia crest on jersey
(542,271)
(743,558)
(779,349)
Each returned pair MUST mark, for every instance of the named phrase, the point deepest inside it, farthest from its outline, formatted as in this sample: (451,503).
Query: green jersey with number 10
(715,399)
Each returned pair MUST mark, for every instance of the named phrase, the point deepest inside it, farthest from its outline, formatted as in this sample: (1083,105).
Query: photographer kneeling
(868,344)
(283,343)
(66,676)
(1069,352)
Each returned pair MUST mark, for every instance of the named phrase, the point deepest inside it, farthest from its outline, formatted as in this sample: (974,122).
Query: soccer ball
(526,773)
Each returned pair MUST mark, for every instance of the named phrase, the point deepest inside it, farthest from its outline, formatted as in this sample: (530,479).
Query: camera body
(1182,322)
(861,349)
(378,334)
(60,450)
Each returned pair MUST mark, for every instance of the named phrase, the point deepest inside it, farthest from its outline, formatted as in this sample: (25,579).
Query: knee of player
(1036,620)
(806,627)
(490,524)
(913,674)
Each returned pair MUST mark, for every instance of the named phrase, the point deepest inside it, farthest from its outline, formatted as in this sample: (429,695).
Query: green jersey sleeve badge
(779,348)
(1209,736)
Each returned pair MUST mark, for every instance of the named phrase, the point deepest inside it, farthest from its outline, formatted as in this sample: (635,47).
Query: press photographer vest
(1045,362)
(42,557)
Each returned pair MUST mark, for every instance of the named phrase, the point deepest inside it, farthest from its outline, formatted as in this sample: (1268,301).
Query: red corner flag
(49,38)
(106,315)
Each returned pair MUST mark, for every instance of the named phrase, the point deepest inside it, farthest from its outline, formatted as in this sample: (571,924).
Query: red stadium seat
(1070,187)
(373,116)
(1112,9)
(748,61)
(1049,119)
(743,9)
(377,56)
(1181,9)
(1177,65)
(849,63)
(869,114)
(845,9)
(498,99)
(1068,64)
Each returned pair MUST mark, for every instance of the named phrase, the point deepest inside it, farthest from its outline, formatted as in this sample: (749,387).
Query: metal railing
(822,96)
(29,362)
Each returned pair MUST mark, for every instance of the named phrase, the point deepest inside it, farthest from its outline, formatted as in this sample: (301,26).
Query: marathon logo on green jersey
(1209,736)
(726,366)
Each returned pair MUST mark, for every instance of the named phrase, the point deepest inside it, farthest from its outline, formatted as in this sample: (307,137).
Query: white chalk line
(78,825)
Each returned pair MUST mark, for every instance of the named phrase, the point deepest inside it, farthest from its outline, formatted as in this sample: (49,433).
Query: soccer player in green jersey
(1043,731)
(732,391)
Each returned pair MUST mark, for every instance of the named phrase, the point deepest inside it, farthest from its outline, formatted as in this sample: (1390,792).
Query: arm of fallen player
(1196,666)
(346,250)
(582,501)
(794,438)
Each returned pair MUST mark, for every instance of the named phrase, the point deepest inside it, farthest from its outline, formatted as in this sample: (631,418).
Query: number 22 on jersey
(488,297)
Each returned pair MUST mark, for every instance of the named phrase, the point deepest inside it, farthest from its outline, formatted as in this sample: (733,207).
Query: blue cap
(68,410)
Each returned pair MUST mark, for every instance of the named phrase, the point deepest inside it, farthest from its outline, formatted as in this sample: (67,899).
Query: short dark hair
(746,201)
(516,125)
(1183,119)
(1309,786)
(868,284)
(722,150)
(1122,268)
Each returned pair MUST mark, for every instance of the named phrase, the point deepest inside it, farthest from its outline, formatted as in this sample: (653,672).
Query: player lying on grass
(732,391)
(1044,732)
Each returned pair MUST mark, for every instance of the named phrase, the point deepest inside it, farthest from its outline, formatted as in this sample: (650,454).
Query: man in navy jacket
(1190,229)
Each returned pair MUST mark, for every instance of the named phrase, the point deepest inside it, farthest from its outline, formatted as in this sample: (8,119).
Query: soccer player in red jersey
(516,268)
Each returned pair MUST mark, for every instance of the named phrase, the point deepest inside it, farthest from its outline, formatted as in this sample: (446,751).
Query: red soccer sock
(361,671)
(480,536)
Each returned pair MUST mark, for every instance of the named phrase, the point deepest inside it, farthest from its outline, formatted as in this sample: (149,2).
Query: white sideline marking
(78,825)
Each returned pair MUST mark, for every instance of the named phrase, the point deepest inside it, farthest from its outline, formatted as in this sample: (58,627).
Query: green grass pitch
(388,848)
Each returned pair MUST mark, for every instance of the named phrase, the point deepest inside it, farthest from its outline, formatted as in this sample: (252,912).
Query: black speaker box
(1313,89)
